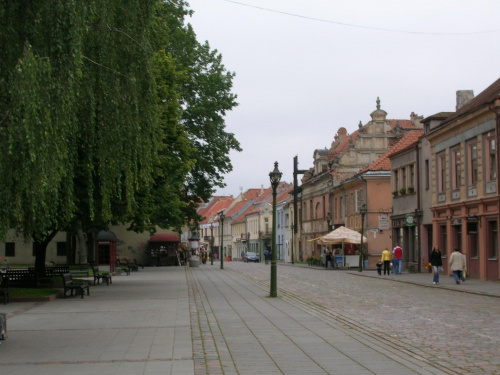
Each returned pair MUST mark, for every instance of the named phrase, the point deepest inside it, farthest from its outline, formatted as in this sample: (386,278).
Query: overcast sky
(305,68)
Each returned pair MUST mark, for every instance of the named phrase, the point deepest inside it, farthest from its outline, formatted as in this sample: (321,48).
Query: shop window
(443,238)
(492,240)
(457,237)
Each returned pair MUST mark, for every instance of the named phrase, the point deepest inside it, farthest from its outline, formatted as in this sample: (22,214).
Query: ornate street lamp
(221,250)
(212,243)
(275,177)
(362,211)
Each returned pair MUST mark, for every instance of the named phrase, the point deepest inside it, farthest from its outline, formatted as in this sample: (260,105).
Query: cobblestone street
(453,332)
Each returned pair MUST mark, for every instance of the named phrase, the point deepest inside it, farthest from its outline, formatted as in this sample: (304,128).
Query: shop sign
(410,220)
(383,222)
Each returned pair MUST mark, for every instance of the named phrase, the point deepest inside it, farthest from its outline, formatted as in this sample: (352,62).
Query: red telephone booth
(105,244)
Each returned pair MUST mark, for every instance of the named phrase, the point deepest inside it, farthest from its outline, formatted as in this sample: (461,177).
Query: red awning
(164,238)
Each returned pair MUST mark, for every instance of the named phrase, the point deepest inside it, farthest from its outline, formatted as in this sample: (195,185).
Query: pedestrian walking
(398,259)
(329,258)
(456,264)
(266,256)
(436,262)
(379,267)
(386,259)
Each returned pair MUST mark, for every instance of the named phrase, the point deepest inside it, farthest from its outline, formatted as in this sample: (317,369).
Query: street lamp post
(221,250)
(211,243)
(275,177)
(362,211)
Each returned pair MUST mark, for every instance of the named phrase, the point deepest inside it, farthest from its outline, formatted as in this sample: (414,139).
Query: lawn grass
(31,292)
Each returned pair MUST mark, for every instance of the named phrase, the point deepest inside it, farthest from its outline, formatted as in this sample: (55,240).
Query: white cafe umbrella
(342,235)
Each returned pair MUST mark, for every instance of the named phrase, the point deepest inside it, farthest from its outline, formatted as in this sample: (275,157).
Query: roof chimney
(463,97)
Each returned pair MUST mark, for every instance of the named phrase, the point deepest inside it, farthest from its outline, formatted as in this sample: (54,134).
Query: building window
(311,213)
(404,182)
(396,181)
(492,240)
(351,204)
(10,249)
(491,162)
(318,210)
(61,249)
(305,211)
(441,173)
(456,168)
(427,174)
(473,168)
(359,199)
(412,176)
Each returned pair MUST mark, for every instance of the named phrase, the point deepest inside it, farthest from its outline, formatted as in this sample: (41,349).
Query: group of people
(394,258)
(456,263)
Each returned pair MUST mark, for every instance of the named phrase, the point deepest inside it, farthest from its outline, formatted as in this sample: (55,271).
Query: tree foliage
(109,112)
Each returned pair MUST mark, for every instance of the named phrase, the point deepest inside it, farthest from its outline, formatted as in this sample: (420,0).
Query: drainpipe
(418,210)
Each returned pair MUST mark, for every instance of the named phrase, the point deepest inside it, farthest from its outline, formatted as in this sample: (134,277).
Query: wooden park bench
(131,265)
(80,270)
(69,284)
(46,275)
(106,277)
(123,267)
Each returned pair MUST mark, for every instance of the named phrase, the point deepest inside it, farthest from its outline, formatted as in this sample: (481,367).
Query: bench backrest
(22,274)
(67,278)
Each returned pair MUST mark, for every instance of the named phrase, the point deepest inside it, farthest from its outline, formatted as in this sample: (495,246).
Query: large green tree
(109,112)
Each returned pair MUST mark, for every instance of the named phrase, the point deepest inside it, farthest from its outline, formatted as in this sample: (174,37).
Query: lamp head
(275,176)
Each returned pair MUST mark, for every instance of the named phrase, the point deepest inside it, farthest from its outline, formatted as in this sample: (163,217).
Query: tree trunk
(81,245)
(41,250)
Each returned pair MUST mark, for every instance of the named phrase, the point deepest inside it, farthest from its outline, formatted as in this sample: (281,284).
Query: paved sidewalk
(176,320)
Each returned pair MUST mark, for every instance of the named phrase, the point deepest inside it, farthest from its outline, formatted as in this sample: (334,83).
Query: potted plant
(402,191)
(411,190)
(395,193)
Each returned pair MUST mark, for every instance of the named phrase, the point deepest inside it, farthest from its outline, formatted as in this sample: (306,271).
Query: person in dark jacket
(437,262)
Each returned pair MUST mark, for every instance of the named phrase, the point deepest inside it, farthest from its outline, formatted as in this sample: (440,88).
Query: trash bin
(228,259)
(3,326)
(194,262)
